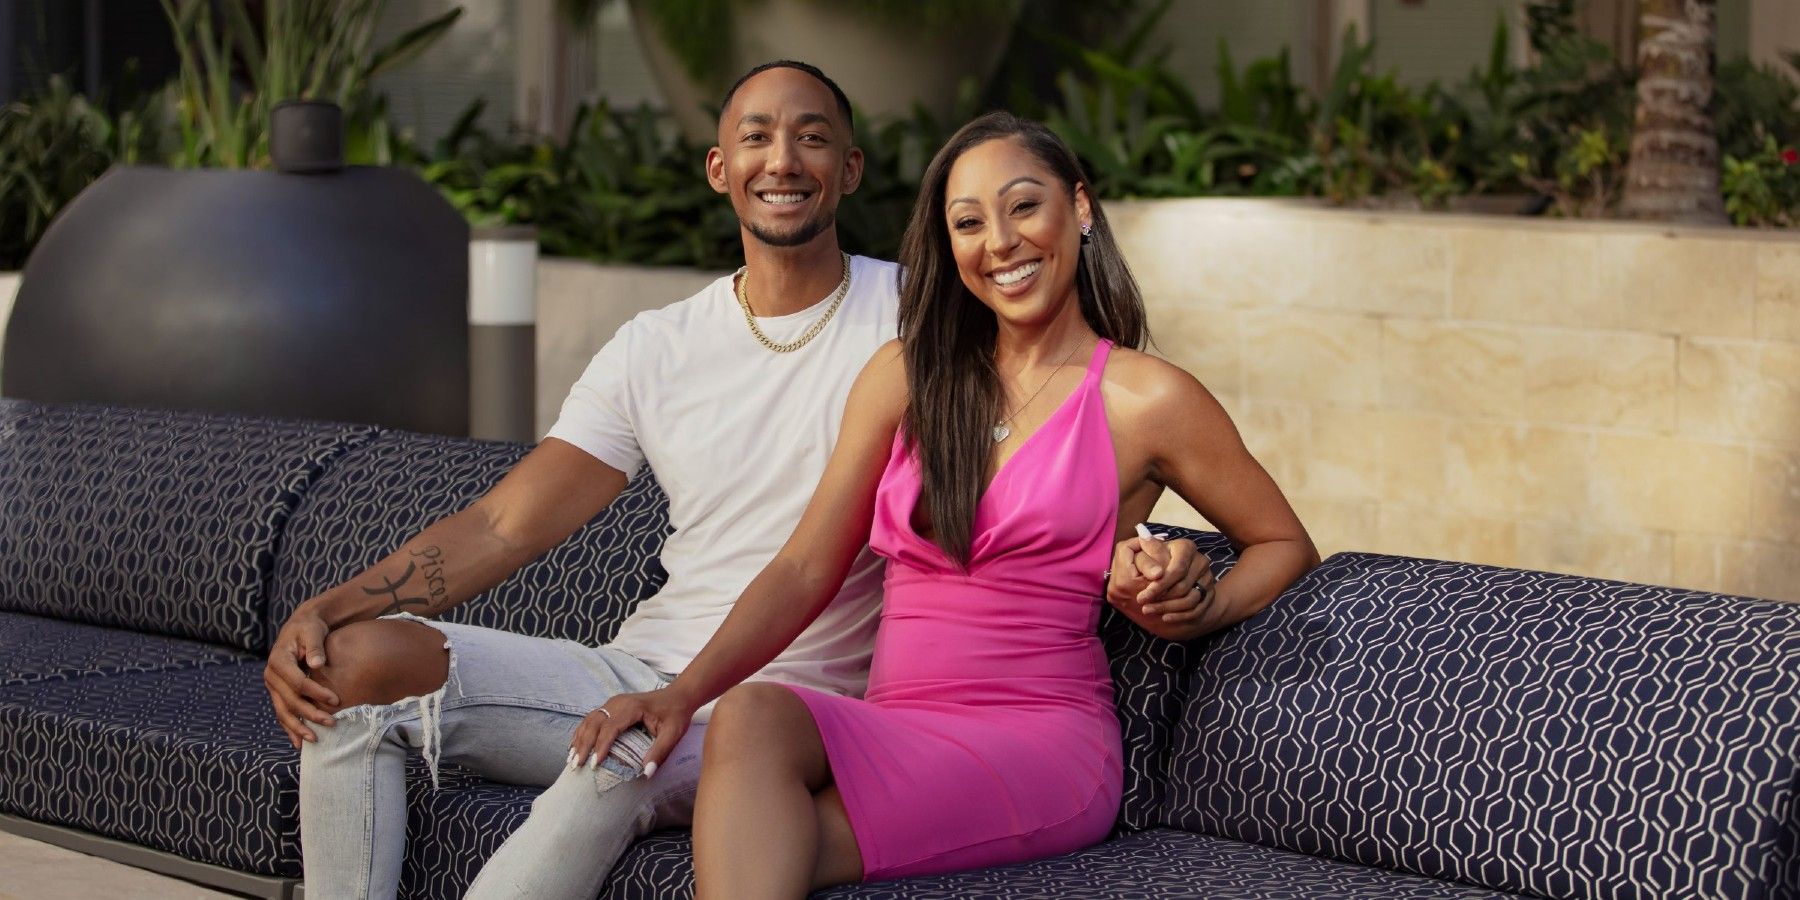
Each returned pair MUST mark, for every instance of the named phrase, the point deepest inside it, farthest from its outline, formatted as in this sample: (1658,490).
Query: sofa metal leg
(269,887)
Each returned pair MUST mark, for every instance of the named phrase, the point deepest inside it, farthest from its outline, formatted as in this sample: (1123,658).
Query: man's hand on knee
(296,696)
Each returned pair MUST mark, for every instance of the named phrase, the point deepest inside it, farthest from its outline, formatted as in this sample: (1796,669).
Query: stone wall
(1603,399)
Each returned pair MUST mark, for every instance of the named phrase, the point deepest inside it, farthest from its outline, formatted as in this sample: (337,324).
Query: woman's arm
(1189,444)
(795,586)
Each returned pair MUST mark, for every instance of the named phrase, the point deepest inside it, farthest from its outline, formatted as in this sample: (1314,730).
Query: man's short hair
(843,102)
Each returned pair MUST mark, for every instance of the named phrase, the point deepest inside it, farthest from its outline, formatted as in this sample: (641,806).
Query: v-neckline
(912,510)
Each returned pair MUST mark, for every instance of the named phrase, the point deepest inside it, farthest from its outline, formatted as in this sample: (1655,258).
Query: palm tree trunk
(1673,173)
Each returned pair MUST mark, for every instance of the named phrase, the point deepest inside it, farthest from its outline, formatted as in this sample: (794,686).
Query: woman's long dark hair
(948,335)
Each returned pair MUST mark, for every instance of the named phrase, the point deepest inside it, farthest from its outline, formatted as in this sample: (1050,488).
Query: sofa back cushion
(1150,689)
(382,494)
(159,521)
(1528,732)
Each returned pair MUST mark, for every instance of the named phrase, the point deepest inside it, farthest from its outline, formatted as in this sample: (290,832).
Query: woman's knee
(383,661)
(763,725)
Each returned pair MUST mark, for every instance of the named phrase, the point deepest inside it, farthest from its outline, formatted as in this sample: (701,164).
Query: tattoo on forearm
(428,562)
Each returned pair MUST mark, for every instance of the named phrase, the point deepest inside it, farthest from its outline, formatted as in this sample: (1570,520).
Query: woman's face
(1015,231)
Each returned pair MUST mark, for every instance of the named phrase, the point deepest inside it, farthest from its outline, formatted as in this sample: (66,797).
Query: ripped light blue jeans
(507,711)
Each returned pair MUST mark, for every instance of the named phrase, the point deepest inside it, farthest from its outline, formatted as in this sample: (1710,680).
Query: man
(755,368)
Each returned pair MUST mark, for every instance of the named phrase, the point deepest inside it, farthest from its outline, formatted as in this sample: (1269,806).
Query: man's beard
(806,231)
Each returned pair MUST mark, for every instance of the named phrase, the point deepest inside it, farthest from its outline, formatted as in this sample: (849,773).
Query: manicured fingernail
(571,765)
(650,770)
(593,759)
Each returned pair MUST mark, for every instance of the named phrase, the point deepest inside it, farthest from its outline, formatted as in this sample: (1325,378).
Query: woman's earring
(1086,229)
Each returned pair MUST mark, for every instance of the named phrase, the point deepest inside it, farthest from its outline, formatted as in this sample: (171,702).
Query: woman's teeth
(1014,276)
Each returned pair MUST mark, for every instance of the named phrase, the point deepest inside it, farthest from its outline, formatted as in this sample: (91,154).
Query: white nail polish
(593,759)
(649,770)
(571,758)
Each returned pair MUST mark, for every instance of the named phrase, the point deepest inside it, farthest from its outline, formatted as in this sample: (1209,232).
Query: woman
(992,455)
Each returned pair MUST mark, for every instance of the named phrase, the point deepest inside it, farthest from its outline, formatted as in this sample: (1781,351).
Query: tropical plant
(302,49)
(699,31)
(1673,172)
(53,146)
(1764,188)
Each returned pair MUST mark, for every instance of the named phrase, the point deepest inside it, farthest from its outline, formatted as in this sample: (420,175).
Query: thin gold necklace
(837,300)
(1001,432)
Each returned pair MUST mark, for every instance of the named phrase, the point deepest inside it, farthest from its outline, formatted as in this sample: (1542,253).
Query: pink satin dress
(988,734)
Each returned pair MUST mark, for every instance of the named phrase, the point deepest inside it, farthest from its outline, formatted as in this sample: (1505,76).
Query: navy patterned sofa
(1391,727)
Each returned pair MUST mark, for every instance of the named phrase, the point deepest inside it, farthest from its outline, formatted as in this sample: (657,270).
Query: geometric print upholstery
(189,761)
(451,831)
(1160,863)
(154,520)
(36,649)
(1149,678)
(1544,734)
(382,494)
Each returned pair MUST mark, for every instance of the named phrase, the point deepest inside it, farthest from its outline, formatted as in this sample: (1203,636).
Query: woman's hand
(665,713)
(1166,587)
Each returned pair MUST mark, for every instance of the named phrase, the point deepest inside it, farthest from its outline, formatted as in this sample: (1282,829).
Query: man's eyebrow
(1003,189)
(764,119)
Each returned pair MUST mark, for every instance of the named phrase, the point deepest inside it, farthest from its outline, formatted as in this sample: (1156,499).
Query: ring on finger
(602,711)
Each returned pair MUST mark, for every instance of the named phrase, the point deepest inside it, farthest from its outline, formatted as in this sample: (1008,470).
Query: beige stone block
(1376,265)
(1539,276)
(1206,342)
(1343,454)
(1740,390)
(1636,556)
(1434,533)
(1196,257)
(1506,470)
(1775,502)
(1778,291)
(1170,509)
(1337,525)
(1695,563)
(1761,569)
(1413,456)
(1313,357)
(1671,484)
(1681,285)
(1458,368)
(1609,379)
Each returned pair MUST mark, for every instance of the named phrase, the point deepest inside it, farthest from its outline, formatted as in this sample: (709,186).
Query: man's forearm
(453,560)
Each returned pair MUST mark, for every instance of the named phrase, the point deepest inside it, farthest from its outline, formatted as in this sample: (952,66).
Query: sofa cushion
(1149,688)
(1153,864)
(189,761)
(164,522)
(34,649)
(451,831)
(1546,734)
(381,494)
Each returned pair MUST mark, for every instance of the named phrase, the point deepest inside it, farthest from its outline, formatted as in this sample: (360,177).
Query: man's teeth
(1014,276)
(782,198)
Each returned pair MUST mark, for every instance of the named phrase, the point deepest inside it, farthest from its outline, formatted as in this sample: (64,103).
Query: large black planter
(337,296)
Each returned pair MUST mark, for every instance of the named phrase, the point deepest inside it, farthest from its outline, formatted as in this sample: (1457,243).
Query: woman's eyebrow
(999,193)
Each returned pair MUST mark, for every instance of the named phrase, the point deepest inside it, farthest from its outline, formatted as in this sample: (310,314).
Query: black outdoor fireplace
(337,294)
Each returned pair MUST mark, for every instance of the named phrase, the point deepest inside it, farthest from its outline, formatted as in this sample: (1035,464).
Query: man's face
(784,157)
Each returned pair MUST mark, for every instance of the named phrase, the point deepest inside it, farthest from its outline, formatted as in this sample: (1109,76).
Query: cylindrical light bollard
(503,333)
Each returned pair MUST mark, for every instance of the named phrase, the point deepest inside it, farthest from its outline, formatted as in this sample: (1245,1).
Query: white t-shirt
(738,436)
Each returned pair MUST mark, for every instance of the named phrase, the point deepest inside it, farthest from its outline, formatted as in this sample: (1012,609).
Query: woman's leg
(769,822)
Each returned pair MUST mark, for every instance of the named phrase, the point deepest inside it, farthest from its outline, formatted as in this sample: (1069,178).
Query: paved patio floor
(30,870)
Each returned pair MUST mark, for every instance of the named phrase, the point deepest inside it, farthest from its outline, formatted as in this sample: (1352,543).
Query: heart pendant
(1001,433)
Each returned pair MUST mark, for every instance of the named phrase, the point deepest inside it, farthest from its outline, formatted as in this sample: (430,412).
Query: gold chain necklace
(1001,432)
(837,300)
